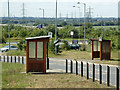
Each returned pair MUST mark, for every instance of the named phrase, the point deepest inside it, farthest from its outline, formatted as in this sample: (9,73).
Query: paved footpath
(60,64)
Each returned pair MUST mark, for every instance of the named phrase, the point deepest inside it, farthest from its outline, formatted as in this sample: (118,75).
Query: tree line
(64,32)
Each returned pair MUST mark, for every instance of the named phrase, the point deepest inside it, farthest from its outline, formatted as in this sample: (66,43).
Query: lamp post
(9,24)
(43,11)
(56,28)
(84,21)
(79,21)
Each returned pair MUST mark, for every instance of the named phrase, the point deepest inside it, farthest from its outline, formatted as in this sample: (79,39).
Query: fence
(13,59)
(81,70)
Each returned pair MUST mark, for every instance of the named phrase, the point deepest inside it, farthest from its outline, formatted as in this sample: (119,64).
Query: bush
(83,47)
(3,39)
(21,45)
(16,53)
(52,47)
(65,46)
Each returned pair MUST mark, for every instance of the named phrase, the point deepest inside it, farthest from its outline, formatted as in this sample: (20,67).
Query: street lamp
(79,21)
(56,28)
(84,21)
(43,11)
(9,24)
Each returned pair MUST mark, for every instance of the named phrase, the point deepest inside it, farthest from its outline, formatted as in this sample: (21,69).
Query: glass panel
(31,49)
(95,45)
(98,46)
(39,50)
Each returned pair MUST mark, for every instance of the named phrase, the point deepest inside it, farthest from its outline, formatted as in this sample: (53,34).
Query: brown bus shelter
(36,54)
(101,49)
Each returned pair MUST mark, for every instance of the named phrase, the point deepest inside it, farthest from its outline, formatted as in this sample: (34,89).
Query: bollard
(11,59)
(93,72)
(71,66)
(66,66)
(0,58)
(18,59)
(100,70)
(4,59)
(22,60)
(47,63)
(7,58)
(108,76)
(117,78)
(87,71)
(76,68)
(81,68)
(15,58)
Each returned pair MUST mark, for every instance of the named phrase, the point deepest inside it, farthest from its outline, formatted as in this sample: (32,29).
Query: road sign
(100,39)
(50,34)
(71,33)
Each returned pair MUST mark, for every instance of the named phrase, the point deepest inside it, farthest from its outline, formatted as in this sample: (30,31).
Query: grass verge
(16,53)
(64,81)
(13,78)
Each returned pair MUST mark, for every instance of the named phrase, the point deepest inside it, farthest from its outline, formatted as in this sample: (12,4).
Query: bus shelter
(101,49)
(36,54)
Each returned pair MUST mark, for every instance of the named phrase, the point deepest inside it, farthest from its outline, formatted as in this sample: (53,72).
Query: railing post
(71,66)
(76,68)
(93,72)
(4,59)
(15,58)
(22,60)
(11,59)
(117,78)
(87,71)
(47,63)
(7,59)
(100,70)
(18,59)
(66,66)
(81,68)
(108,76)
(0,58)
(47,57)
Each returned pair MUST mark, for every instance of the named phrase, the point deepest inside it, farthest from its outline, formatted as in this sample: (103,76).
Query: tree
(64,23)
(21,45)
(65,46)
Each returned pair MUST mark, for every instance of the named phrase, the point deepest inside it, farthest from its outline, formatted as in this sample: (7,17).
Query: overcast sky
(105,8)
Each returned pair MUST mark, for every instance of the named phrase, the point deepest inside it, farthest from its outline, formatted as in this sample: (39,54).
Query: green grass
(17,39)
(70,39)
(64,81)
(16,53)
(12,76)
(106,27)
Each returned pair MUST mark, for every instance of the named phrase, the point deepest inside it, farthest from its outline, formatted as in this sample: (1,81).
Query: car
(74,46)
(6,48)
